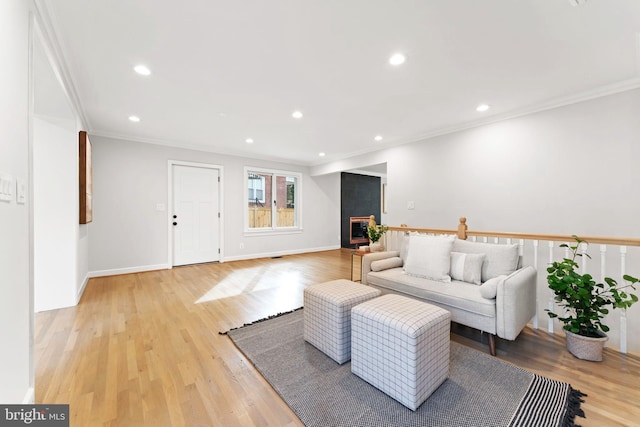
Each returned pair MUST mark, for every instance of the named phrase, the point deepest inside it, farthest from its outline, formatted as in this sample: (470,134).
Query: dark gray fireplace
(360,197)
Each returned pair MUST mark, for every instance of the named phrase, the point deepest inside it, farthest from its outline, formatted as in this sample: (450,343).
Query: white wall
(570,170)
(15,303)
(60,242)
(130,179)
(55,191)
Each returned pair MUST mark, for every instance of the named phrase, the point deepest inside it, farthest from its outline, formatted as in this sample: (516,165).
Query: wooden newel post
(462,228)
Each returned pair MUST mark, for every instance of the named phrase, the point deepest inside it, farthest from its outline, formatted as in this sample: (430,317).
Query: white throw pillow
(498,259)
(386,264)
(429,257)
(466,267)
(489,289)
(404,246)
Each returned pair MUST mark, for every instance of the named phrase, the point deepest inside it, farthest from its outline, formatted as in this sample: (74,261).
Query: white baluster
(551,295)
(603,265)
(603,262)
(509,241)
(535,266)
(496,240)
(485,239)
(623,313)
(474,238)
(583,250)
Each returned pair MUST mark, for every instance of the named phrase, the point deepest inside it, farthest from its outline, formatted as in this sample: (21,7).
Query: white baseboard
(139,269)
(279,253)
(81,290)
(29,397)
(128,270)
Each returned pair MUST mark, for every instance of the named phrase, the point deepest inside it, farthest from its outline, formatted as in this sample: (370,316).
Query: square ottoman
(401,346)
(327,315)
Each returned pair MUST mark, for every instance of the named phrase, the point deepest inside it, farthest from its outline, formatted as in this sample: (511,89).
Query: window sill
(252,233)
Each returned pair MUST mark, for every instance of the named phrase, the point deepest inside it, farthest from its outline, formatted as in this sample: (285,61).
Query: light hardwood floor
(144,350)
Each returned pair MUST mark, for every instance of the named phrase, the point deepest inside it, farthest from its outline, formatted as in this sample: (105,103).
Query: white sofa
(484,288)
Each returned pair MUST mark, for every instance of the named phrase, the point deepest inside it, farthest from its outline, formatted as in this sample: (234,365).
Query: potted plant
(375,232)
(585,303)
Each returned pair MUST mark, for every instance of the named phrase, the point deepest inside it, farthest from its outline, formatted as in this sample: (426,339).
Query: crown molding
(45,29)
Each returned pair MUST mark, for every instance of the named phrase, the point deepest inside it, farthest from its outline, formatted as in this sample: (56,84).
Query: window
(272,200)
(256,188)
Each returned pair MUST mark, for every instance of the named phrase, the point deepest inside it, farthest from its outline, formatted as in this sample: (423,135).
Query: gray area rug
(481,390)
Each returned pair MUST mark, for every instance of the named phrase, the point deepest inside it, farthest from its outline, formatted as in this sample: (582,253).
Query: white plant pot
(376,247)
(585,348)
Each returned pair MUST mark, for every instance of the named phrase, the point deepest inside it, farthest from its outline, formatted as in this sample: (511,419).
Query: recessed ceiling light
(135,119)
(297,115)
(142,70)
(249,141)
(321,154)
(397,59)
(378,138)
(482,107)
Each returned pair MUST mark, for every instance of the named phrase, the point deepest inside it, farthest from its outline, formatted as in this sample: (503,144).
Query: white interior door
(195,215)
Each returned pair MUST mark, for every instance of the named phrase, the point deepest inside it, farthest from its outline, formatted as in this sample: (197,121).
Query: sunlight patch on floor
(244,282)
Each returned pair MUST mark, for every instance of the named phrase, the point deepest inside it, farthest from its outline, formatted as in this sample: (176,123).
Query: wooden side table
(357,253)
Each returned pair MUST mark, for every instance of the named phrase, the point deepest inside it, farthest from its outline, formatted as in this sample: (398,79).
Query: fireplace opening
(358,227)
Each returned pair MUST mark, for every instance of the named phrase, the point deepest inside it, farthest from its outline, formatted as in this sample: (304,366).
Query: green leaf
(630,278)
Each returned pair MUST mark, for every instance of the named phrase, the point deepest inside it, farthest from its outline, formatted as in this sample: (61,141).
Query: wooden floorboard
(144,350)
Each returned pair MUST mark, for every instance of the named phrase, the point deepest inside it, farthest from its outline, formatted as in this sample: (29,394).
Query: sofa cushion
(387,263)
(429,257)
(489,289)
(466,267)
(461,295)
(499,259)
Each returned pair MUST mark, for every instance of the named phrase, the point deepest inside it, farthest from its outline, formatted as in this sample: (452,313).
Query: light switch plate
(411,205)
(21,191)
(6,187)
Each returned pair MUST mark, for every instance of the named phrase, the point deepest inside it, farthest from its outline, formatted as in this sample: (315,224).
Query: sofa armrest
(515,302)
(369,258)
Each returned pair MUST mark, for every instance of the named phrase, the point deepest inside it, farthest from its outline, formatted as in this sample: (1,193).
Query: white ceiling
(224,71)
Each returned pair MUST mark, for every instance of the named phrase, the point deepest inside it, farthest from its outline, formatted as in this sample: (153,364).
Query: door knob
(175,223)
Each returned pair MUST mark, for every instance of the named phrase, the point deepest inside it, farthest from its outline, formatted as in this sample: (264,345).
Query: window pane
(259,204)
(286,201)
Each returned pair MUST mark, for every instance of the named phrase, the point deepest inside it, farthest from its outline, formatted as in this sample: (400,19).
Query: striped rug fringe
(538,409)
(574,399)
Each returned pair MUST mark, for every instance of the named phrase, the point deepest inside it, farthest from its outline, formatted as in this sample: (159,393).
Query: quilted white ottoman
(327,315)
(401,346)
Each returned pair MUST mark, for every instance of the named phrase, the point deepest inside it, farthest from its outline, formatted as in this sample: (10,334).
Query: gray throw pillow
(466,267)
(498,259)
